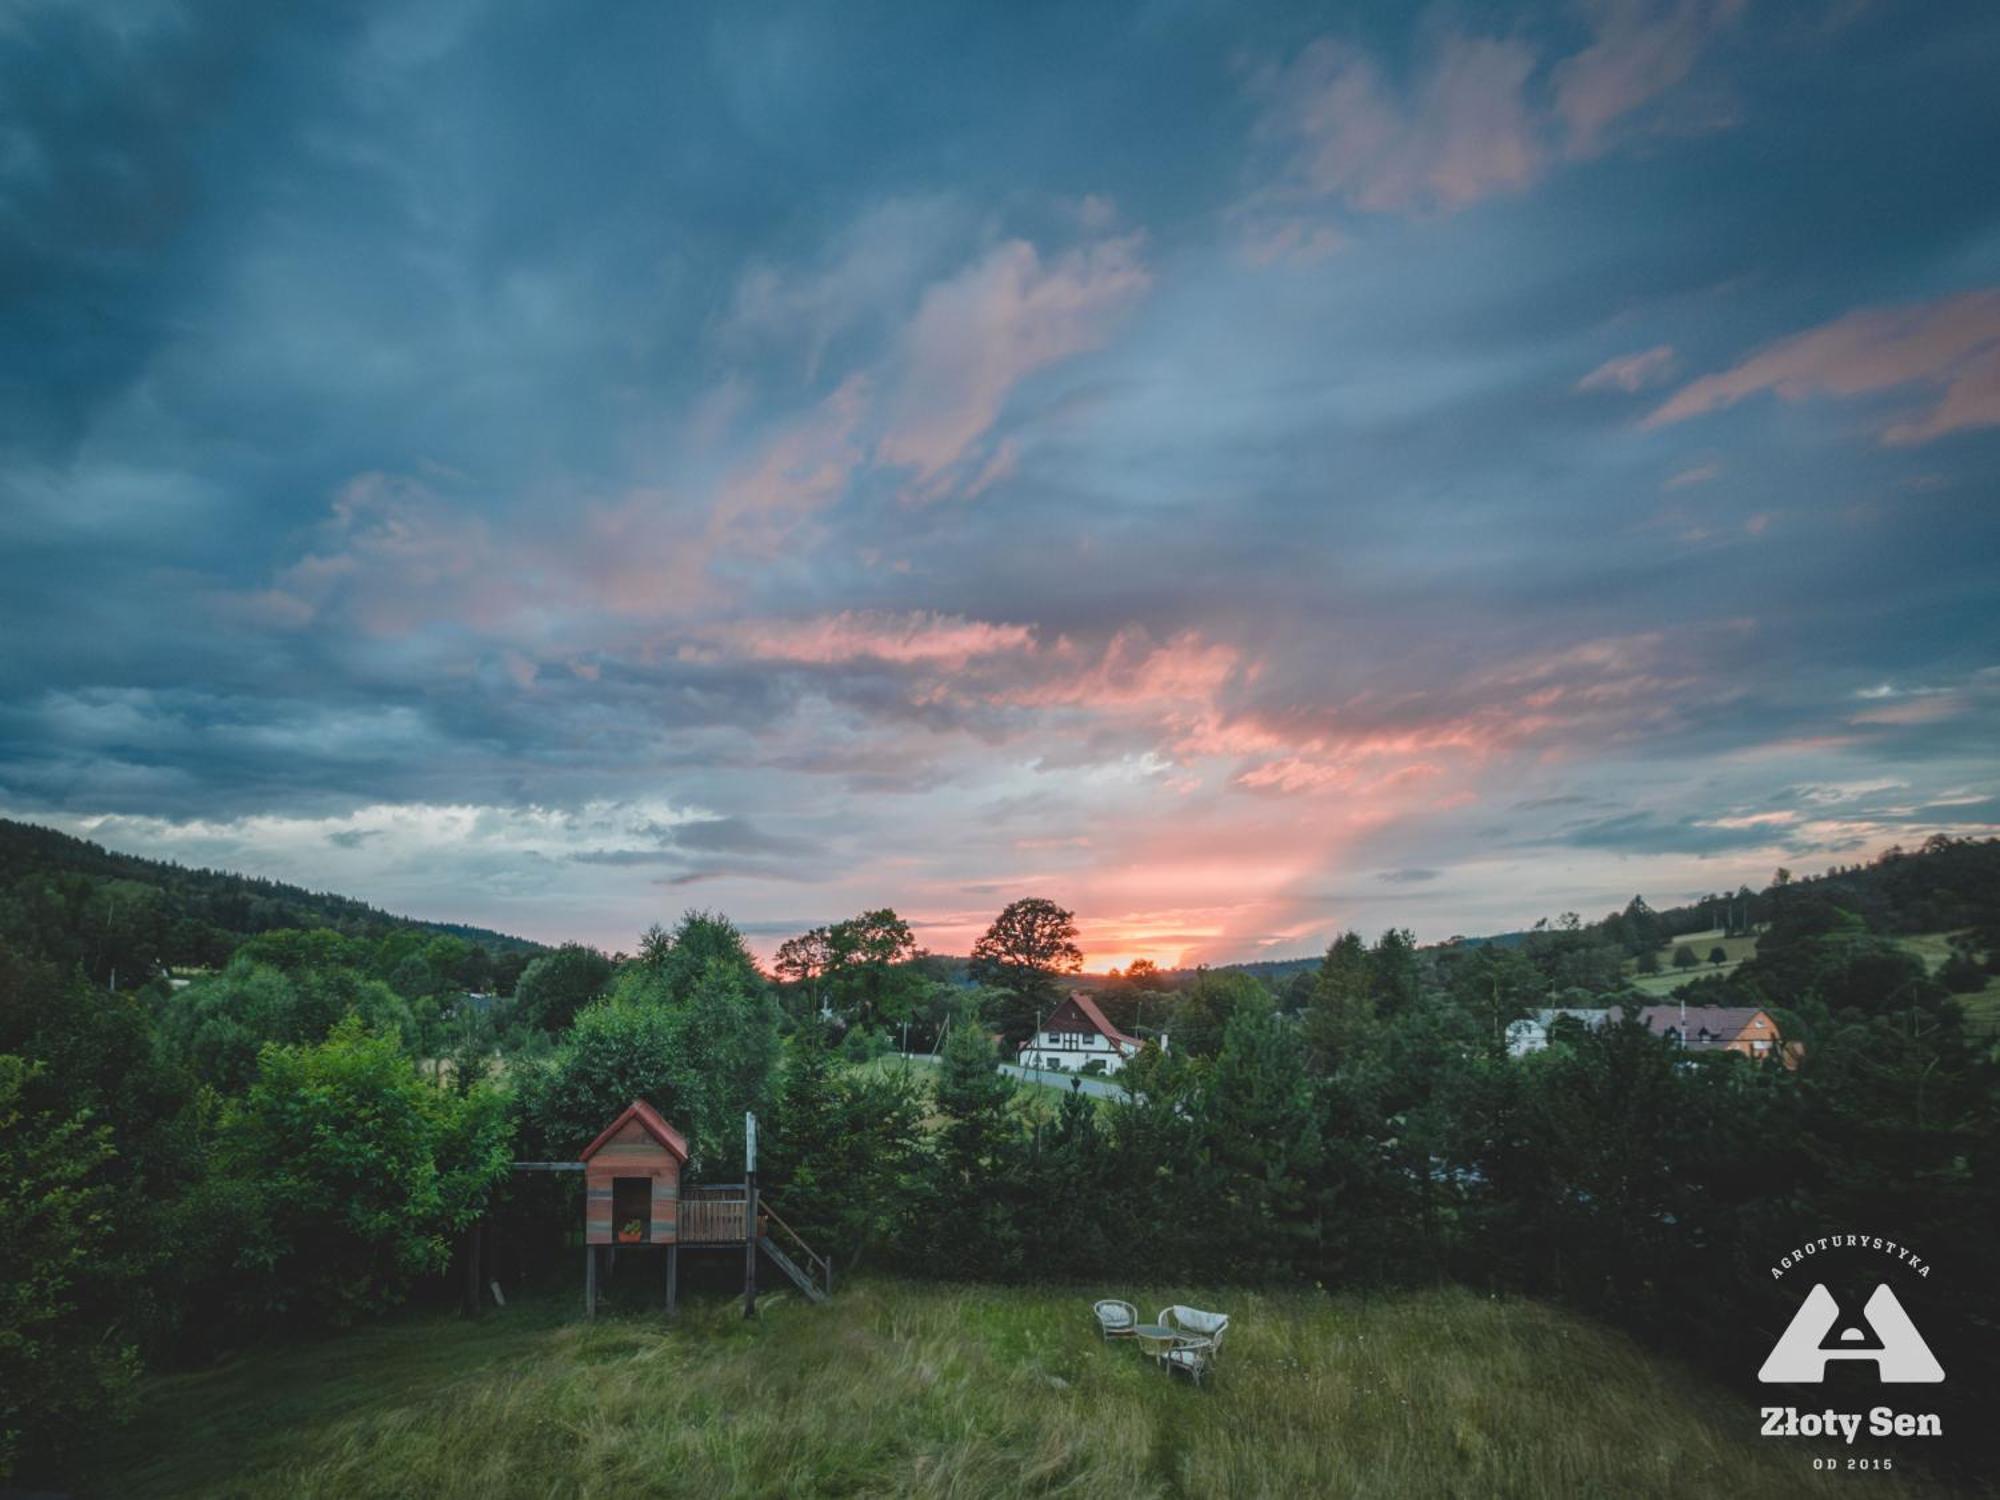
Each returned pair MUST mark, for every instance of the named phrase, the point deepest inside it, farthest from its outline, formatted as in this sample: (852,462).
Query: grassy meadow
(899,1388)
(1982,1007)
(1670,979)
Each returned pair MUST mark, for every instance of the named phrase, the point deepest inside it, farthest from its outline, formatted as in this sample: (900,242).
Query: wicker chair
(1115,1319)
(1198,1341)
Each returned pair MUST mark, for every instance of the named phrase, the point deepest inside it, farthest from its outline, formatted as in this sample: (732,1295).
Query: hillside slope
(902,1388)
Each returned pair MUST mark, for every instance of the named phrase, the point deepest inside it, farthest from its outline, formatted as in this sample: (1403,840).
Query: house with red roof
(1075,1033)
(1721,1028)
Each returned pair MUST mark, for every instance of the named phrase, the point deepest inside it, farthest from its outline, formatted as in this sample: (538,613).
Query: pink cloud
(1464,134)
(978,334)
(1468,127)
(1952,345)
(1699,474)
(1630,372)
(865,274)
(1640,50)
(1293,241)
(521,668)
(392,556)
(1133,670)
(948,641)
(801,472)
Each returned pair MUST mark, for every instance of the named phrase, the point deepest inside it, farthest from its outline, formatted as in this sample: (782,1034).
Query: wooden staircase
(809,1271)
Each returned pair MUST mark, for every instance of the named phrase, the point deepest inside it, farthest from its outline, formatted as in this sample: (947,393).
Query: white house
(1531,1033)
(1074,1033)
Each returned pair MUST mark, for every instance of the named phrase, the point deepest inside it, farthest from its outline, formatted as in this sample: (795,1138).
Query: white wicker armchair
(1115,1319)
(1198,1340)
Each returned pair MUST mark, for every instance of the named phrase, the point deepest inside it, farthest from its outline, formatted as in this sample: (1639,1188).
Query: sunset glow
(1393,471)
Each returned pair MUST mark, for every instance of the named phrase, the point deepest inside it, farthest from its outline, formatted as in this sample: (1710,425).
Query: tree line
(302,1138)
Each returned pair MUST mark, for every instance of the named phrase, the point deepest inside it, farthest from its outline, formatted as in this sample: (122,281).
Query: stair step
(785,1263)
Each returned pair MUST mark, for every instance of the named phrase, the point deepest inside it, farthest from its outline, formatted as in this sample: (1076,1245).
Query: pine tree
(1263,1147)
(978,1151)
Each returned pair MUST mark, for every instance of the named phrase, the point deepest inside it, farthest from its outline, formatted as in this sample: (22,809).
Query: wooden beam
(590,1281)
(750,1246)
(469,1301)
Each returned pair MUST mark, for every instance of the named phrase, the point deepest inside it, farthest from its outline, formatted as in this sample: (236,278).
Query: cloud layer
(1236,475)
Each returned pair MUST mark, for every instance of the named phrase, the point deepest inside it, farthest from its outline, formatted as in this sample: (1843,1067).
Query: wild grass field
(911,1389)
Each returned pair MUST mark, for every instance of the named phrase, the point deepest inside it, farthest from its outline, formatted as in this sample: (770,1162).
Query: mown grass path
(913,1389)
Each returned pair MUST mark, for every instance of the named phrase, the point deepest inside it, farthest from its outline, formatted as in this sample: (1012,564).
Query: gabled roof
(648,1117)
(1724,1023)
(1097,1019)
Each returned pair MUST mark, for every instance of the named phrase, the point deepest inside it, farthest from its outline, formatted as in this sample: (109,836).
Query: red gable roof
(1723,1023)
(647,1116)
(1092,1014)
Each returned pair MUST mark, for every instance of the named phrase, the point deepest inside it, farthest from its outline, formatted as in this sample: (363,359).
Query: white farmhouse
(1531,1033)
(1074,1033)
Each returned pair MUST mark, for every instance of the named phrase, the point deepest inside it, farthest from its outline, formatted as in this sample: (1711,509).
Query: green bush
(218,1024)
(701,1057)
(362,1171)
(553,988)
(59,1373)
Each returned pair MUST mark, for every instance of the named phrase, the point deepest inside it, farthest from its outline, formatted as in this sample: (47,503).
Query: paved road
(1099,1088)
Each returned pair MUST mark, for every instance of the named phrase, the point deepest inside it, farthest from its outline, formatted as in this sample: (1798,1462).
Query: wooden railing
(712,1216)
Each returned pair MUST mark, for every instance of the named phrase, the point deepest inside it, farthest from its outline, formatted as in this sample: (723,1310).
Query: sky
(1241,472)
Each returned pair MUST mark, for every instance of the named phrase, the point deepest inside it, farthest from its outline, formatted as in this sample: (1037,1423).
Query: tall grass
(924,1390)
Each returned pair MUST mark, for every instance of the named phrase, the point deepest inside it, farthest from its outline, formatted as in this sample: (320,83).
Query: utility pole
(749,1214)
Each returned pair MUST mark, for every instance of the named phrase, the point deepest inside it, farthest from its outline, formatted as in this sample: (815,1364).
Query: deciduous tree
(553,988)
(1029,944)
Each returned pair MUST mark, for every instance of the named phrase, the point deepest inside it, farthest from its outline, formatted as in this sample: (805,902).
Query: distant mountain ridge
(51,881)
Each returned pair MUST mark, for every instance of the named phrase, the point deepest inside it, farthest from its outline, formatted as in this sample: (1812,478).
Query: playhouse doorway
(631,1205)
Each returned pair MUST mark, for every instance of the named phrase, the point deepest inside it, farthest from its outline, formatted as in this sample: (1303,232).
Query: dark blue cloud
(437,406)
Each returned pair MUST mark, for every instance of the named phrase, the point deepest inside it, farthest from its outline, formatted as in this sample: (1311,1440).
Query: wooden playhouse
(635,1199)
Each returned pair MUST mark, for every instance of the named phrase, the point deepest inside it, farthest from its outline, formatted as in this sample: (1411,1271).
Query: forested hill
(1945,884)
(79,902)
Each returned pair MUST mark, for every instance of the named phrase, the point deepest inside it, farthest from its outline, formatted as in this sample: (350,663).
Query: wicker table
(1155,1339)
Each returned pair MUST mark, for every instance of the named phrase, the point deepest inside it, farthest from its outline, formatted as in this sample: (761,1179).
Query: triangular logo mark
(1900,1354)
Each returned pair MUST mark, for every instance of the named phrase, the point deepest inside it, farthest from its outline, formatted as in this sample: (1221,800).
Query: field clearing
(1982,1007)
(927,1390)
(1031,1096)
(1932,947)
(1670,979)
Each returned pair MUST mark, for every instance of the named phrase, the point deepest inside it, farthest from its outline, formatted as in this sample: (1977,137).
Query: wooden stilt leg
(469,1301)
(673,1279)
(590,1281)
